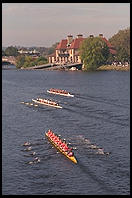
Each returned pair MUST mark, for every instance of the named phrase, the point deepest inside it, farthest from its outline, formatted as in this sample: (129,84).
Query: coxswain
(70,154)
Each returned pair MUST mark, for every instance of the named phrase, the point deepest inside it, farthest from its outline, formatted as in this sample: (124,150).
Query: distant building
(67,51)
(29,52)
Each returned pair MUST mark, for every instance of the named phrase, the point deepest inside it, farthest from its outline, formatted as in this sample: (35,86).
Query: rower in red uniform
(60,142)
(65,148)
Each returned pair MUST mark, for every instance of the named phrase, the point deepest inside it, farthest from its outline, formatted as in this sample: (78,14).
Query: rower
(60,142)
(65,149)
(69,149)
(49,131)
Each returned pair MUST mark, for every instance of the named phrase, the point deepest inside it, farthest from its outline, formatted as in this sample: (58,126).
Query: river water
(98,115)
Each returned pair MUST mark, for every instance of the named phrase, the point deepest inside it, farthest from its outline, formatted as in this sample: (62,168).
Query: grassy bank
(113,67)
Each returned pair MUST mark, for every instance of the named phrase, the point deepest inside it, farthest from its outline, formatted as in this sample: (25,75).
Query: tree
(11,51)
(121,41)
(3,53)
(94,52)
(122,55)
(20,61)
(29,61)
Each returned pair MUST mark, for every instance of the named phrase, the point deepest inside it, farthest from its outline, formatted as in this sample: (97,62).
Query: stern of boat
(73,159)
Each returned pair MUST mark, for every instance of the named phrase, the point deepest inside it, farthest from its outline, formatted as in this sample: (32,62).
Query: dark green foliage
(94,53)
(11,51)
(121,41)
(20,61)
(29,61)
(3,53)
(45,51)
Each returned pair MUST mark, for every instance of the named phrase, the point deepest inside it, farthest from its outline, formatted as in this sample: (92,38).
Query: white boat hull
(52,92)
(46,104)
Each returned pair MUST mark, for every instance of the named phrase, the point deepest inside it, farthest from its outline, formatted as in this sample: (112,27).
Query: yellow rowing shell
(72,158)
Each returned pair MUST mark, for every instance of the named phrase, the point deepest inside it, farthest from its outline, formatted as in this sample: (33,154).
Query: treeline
(94,51)
(44,51)
(121,42)
(29,61)
(10,51)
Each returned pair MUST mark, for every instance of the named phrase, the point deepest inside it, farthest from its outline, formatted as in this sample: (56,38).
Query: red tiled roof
(107,42)
(76,43)
(62,44)
(112,51)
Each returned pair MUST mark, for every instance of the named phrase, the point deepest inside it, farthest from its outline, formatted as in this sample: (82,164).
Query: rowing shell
(62,94)
(72,158)
(57,106)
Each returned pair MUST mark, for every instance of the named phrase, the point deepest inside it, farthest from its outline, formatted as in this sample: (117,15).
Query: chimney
(91,36)
(101,35)
(69,39)
(79,36)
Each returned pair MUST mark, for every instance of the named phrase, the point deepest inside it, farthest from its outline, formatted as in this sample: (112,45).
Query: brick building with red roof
(67,51)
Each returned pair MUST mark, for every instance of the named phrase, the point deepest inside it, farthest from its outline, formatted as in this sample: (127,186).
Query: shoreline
(113,67)
(101,68)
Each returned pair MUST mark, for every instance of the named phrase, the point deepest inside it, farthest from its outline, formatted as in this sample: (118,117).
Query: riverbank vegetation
(29,61)
(94,52)
(121,42)
(114,67)
(10,51)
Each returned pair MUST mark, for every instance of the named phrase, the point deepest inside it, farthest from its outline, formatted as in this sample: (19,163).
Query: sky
(44,24)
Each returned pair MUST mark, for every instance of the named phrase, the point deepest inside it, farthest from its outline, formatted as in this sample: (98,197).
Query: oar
(74,148)
(27,103)
(22,102)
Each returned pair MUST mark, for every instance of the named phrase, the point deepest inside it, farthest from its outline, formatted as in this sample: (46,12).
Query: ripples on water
(97,117)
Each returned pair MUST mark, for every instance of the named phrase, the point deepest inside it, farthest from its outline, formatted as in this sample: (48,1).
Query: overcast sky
(43,24)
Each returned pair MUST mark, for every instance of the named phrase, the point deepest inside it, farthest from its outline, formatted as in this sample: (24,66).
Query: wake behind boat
(60,145)
(59,92)
(46,102)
